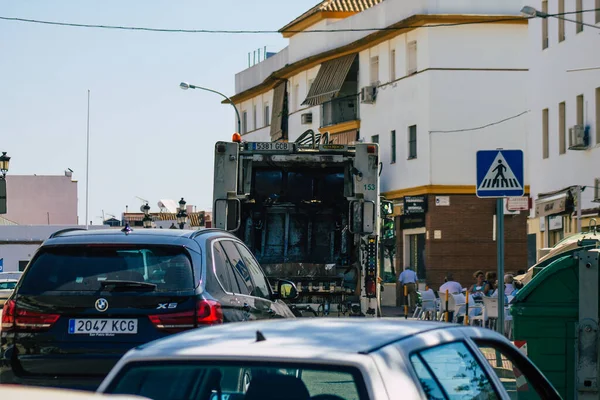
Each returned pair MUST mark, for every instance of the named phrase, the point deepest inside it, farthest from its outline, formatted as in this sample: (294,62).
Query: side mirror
(286,290)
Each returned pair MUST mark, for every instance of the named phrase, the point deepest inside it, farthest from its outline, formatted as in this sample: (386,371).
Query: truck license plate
(103,326)
(271,146)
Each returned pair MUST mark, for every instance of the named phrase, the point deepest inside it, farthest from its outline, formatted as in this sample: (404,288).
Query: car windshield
(84,268)
(8,285)
(193,380)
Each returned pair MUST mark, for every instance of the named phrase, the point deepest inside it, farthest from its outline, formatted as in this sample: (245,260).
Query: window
(374,70)
(261,286)
(561,22)
(411,67)
(597,189)
(451,369)
(412,142)
(580,110)
(393,65)
(544,26)
(375,139)
(223,270)
(254,117)
(393,142)
(240,270)
(506,367)
(186,380)
(562,129)
(598,113)
(545,143)
(267,115)
(244,122)
(10,285)
(579,16)
(83,269)
(23,265)
(296,97)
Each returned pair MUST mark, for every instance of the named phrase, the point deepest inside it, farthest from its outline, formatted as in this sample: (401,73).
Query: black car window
(222,269)
(84,267)
(261,287)
(452,369)
(240,270)
(238,380)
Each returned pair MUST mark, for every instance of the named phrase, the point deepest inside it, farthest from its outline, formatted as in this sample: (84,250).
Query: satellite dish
(142,207)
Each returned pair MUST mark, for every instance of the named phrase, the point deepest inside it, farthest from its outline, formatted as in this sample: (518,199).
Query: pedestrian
(408,278)
(450,285)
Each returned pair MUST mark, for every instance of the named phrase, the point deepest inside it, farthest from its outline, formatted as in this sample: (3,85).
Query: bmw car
(87,297)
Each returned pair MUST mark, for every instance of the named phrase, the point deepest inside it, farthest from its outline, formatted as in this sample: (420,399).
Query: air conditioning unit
(596,190)
(306,119)
(368,94)
(579,137)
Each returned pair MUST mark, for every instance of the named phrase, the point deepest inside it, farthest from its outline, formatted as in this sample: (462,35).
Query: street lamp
(4,161)
(147,221)
(182,214)
(186,86)
(531,12)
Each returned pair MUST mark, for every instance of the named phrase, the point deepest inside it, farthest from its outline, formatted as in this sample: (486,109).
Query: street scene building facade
(429,94)
(564,130)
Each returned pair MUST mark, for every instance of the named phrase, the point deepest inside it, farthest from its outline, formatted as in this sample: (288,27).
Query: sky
(148,138)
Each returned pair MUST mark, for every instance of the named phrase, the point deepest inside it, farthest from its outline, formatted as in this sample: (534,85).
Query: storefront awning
(555,204)
(278,119)
(329,80)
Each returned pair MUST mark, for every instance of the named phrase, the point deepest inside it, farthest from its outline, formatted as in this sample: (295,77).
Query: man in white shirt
(408,278)
(451,285)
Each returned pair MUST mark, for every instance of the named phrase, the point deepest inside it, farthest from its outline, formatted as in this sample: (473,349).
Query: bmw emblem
(101,305)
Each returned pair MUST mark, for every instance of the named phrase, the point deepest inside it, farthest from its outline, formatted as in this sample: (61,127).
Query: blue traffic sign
(500,173)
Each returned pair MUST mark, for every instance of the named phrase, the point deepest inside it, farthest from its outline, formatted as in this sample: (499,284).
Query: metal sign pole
(500,239)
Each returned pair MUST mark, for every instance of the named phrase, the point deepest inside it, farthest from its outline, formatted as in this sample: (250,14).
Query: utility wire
(484,126)
(224,31)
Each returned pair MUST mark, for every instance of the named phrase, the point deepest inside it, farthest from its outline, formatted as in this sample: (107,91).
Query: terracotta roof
(347,6)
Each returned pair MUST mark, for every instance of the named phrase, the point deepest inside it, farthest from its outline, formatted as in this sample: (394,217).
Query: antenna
(143,200)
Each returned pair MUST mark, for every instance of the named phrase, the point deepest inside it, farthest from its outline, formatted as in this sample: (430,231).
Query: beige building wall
(41,200)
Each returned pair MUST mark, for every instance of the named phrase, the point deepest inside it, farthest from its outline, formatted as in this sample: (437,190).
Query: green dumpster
(545,316)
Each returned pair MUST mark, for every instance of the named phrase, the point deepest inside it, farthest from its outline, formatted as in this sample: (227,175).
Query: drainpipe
(578,194)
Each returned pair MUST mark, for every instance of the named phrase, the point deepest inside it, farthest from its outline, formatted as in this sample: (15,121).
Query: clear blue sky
(148,138)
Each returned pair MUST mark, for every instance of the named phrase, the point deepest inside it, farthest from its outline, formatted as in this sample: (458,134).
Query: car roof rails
(199,232)
(60,232)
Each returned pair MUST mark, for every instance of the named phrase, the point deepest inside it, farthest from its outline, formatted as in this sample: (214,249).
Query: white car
(330,359)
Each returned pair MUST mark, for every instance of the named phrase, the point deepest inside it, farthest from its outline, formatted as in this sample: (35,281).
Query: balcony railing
(337,111)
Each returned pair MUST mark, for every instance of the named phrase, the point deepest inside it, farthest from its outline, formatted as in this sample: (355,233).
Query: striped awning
(278,117)
(329,80)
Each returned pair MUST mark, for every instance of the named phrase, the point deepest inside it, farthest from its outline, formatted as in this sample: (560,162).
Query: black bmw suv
(87,297)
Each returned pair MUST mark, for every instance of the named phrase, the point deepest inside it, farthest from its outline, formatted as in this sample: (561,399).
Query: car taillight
(371,288)
(17,319)
(208,312)
(8,315)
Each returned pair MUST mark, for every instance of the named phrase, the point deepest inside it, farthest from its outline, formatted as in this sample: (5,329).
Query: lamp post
(4,161)
(147,221)
(186,86)
(182,214)
(532,13)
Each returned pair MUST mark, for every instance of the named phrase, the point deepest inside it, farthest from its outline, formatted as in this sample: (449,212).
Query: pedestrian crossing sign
(500,173)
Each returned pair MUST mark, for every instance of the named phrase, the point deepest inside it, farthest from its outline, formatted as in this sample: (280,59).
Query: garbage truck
(309,211)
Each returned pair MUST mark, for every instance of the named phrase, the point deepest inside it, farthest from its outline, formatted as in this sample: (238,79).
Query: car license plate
(271,146)
(103,326)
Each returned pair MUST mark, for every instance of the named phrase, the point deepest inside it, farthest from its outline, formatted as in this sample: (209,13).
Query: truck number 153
(370,186)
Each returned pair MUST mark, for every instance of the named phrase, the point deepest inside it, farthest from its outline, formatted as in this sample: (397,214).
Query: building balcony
(339,111)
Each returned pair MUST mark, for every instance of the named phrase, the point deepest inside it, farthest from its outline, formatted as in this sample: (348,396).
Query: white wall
(549,85)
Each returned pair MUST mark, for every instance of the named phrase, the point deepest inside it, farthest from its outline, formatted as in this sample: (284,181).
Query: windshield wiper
(117,284)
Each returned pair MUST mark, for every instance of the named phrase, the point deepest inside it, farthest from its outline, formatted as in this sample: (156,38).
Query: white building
(564,129)
(436,70)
